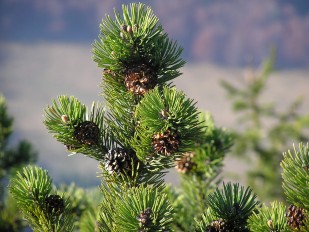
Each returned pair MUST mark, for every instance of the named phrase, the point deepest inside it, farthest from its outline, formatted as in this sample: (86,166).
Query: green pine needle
(160,111)
(233,204)
(31,187)
(206,219)
(32,184)
(121,106)
(137,200)
(269,219)
(210,149)
(139,175)
(295,174)
(63,116)
(145,43)
(122,206)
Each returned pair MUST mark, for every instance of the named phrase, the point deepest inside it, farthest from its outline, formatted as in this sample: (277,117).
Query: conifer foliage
(145,127)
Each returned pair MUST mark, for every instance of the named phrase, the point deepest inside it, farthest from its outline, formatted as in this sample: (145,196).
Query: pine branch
(295,174)
(135,175)
(84,205)
(121,105)
(143,208)
(116,186)
(233,205)
(211,148)
(80,131)
(137,39)
(44,211)
(168,126)
(208,222)
(199,170)
(269,218)
(191,201)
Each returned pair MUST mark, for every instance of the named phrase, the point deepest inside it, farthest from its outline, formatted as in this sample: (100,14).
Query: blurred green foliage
(262,132)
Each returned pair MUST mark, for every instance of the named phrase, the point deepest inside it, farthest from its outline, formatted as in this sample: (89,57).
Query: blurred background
(45,51)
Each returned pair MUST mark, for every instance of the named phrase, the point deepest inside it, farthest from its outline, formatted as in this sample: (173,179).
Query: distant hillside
(231,33)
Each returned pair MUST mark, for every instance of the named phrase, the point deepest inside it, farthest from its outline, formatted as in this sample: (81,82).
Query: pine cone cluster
(144,218)
(222,225)
(296,217)
(186,163)
(71,147)
(118,160)
(217,226)
(54,204)
(166,143)
(108,72)
(127,30)
(87,133)
(139,79)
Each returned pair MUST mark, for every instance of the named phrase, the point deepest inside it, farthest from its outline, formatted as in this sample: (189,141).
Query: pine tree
(145,128)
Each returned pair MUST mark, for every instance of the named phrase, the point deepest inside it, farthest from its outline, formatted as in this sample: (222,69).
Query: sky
(45,51)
